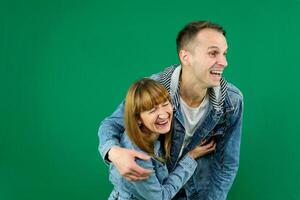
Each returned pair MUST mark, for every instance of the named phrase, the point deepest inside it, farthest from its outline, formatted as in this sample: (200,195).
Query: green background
(65,65)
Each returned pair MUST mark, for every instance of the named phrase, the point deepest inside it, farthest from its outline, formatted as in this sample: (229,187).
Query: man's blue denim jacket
(215,172)
(161,185)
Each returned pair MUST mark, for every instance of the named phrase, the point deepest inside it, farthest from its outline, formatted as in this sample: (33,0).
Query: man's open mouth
(215,72)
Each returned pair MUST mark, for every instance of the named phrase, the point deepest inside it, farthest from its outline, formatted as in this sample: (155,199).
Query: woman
(148,121)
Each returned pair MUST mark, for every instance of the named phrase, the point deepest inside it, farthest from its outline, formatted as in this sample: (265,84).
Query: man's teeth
(216,72)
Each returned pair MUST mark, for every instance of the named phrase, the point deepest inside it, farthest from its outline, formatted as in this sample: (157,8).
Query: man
(206,108)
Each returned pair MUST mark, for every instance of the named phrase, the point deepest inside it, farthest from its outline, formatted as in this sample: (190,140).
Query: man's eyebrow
(213,47)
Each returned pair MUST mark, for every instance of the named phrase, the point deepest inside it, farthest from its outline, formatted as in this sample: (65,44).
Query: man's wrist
(105,148)
(110,153)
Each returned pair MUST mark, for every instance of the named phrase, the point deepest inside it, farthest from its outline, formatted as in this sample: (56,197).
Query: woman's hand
(202,149)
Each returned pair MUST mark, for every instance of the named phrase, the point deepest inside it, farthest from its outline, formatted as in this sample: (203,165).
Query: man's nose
(222,61)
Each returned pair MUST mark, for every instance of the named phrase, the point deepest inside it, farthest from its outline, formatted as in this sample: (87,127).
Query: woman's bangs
(151,97)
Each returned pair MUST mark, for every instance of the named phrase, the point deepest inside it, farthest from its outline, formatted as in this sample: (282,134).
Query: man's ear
(184,57)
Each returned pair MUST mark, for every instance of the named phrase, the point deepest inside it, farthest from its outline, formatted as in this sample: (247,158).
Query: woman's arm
(151,188)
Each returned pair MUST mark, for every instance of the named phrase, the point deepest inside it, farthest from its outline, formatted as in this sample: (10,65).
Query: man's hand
(202,149)
(124,160)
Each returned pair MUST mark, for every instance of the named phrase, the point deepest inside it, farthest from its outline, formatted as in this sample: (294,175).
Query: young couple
(181,135)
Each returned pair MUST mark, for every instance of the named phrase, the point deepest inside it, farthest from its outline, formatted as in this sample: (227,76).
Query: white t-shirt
(191,117)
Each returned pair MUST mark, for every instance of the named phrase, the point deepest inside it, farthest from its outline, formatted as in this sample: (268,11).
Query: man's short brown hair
(190,31)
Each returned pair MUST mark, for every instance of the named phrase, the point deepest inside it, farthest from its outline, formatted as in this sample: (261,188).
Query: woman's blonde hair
(143,95)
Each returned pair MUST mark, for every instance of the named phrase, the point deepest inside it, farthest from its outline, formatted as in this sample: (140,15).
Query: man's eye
(213,53)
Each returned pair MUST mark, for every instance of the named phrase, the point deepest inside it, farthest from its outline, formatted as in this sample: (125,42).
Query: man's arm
(225,169)
(110,133)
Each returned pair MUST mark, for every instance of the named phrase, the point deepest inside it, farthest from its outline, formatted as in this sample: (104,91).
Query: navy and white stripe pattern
(165,80)
(218,102)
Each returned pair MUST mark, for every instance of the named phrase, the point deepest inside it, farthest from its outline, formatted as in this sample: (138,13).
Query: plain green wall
(65,65)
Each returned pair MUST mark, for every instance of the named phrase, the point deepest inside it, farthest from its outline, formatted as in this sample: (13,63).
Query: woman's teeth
(162,122)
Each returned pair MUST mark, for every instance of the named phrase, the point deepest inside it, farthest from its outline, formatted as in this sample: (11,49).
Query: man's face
(208,57)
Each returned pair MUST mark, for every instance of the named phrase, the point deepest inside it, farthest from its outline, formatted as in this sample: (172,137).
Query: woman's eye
(152,110)
(165,104)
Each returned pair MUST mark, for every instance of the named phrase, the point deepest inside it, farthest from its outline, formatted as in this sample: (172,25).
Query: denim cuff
(105,148)
(189,162)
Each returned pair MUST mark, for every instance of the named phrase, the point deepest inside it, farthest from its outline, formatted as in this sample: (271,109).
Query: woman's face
(159,118)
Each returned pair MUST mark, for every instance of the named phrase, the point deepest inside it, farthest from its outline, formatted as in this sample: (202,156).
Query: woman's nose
(162,114)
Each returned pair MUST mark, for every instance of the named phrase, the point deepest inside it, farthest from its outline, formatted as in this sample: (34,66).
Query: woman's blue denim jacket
(215,172)
(160,185)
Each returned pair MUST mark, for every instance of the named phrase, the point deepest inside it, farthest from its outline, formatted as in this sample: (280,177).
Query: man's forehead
(216,47)
(210,38)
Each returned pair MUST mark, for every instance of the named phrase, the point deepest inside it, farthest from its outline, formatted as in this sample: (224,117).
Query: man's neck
(191,92)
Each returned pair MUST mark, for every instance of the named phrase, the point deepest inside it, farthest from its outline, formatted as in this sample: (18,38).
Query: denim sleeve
(224,172)
(152,189)
(110,131)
